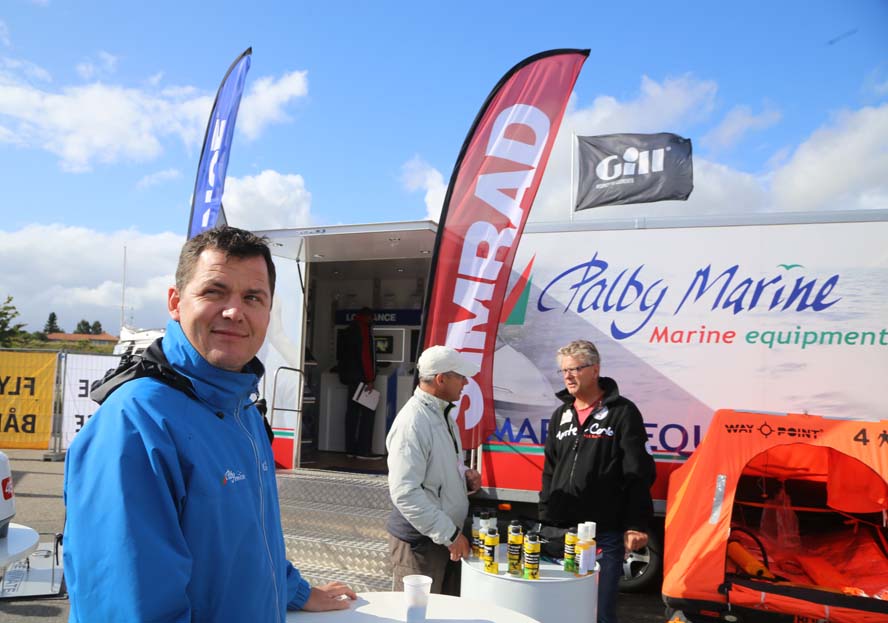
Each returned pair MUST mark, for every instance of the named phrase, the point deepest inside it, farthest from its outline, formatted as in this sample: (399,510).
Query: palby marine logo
(7,488)
(232,476)
(634,163)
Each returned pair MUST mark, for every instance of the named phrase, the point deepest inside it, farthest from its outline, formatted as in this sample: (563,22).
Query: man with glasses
(597,467)
(428,479)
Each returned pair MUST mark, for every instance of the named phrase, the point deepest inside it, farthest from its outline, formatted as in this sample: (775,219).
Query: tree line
(14,335)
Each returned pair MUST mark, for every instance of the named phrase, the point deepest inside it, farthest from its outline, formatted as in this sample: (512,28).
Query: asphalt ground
(38,503)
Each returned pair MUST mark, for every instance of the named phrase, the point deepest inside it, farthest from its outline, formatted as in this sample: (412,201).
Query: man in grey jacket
(428,479)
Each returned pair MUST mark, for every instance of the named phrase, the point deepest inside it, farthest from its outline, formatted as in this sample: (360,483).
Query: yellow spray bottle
(491,540)
(532,556)
(516,545)
(570,550)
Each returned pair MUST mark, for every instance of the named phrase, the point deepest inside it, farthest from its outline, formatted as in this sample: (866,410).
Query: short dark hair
(231,241)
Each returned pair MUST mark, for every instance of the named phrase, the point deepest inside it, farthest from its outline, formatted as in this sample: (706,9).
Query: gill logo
(646,162)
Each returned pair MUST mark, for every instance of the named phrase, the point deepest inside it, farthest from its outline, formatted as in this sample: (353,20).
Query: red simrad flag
(491,191)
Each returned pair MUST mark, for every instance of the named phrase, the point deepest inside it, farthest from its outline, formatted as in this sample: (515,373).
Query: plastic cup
(416,596)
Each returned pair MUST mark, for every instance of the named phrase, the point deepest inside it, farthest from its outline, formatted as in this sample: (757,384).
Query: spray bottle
(584,551)
(593,547)
(532,556)
(570,550)
(491,540)
(476,535)
(516,545)
(483,525)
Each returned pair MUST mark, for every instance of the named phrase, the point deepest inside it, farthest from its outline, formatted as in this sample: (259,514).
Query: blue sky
(355,112)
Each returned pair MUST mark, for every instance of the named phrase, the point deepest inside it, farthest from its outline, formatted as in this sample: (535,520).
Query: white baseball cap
(440,359)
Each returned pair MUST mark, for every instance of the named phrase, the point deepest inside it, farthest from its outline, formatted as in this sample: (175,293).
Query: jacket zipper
(237,418)
(576,445)
(580,433)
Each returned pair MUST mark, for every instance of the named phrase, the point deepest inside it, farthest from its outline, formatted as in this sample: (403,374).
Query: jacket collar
(215,386)
(433,401)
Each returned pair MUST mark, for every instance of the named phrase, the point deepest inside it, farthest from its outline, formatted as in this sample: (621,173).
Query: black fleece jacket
(604,473)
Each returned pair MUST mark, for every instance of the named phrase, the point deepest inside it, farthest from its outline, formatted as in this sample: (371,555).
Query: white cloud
(660,107)
(264,101)
(4,34)
(78,273)
(130,126)
(134,122)
(841,166)
(6,136)
(876,82)
(85,70)
(270,200)
(108,60)
(670,105)
(9,67)
(104,65)
(159,177)
(739,121)
(417,174)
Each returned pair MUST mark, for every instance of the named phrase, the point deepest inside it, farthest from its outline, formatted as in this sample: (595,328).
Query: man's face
(451,386)
(583,382)
(224,308)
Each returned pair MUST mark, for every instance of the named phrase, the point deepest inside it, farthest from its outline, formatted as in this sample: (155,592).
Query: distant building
(102,339)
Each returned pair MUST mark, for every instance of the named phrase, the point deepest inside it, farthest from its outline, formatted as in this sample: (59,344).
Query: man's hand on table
(332,596)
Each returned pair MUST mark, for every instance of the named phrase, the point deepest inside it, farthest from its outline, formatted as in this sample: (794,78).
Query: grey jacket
(426,483)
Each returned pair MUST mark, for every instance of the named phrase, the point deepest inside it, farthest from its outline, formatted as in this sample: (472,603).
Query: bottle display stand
(555,597)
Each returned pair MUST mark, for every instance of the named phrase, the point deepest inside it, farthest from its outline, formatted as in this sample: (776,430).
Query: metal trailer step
(319,549)
(335,519)
(318,575)
(356,490)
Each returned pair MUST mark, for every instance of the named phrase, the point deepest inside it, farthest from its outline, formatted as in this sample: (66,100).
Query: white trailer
(768,312)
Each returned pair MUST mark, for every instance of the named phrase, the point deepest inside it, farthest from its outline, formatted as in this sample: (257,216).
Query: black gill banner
(633,168)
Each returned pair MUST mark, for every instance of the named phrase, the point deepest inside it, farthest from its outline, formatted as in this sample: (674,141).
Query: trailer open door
(324,274)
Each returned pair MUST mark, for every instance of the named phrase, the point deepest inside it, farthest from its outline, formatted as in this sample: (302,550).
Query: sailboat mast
(123,293)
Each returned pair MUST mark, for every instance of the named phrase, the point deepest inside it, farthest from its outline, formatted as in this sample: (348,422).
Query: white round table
(555,597)
(18,543)
(382,607)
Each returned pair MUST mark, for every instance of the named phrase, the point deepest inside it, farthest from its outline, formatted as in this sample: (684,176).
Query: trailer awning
(340,243)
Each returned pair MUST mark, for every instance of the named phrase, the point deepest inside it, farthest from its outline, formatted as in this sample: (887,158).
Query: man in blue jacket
(172,506)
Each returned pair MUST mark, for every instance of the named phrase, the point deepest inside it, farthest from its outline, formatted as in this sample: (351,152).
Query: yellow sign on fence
(26,399)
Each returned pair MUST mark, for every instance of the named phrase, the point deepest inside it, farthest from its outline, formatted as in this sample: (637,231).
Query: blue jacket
(172,506)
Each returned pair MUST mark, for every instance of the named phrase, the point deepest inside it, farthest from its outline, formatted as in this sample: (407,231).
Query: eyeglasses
(573,371)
